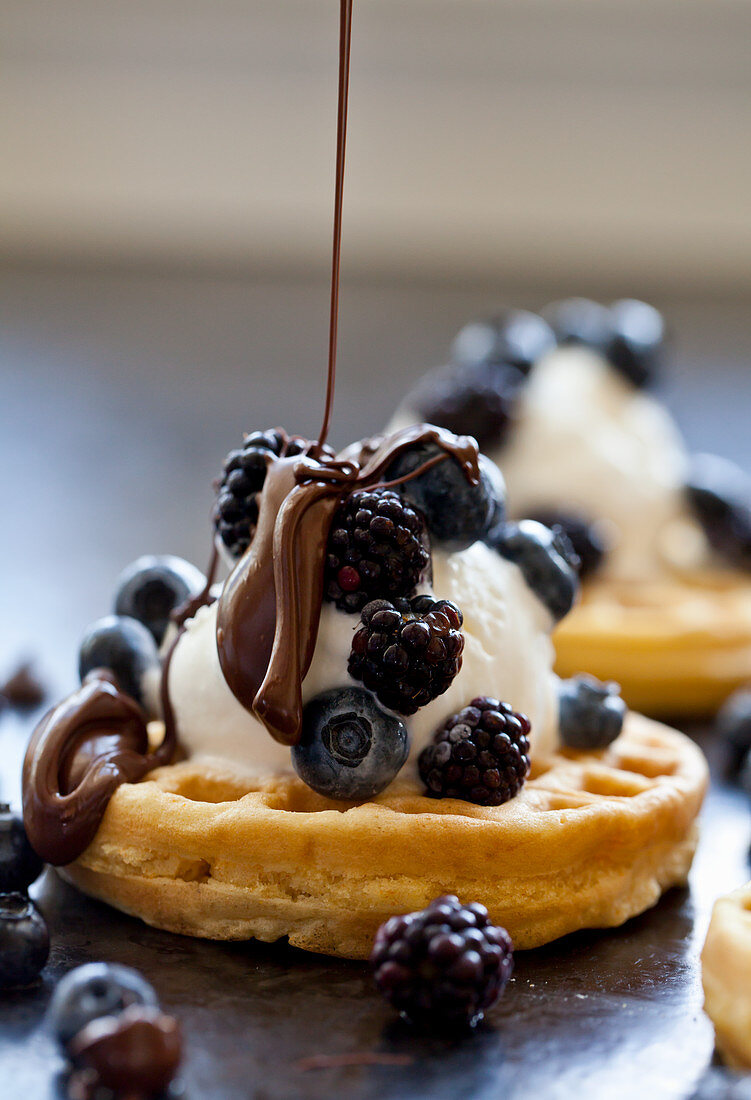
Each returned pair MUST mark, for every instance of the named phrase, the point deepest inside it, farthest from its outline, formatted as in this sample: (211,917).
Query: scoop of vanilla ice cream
(587,440)
(507,654)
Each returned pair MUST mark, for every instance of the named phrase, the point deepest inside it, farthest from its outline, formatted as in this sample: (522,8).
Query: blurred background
(166,187)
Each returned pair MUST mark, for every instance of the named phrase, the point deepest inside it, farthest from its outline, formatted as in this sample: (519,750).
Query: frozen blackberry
(377,549)
(444,965)
(243,474)
(586,538)
(477,401)
(480,755)
(407,653)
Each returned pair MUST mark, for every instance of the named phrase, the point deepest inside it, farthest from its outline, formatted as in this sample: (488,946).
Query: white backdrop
(547,138)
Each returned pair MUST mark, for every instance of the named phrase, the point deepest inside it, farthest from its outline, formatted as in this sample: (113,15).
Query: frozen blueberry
(636,340)
(517,338)
(545,557)
(92,991)
(719,493)
(350,747)
(591,714)
(125,647)
(19,863)
(150,589)
(456,512)
(734,726)
(24,941)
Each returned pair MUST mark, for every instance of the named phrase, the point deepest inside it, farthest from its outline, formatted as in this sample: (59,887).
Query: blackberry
(377,549)
(480,755)
(477,401)
(407,653)
(444,965)
(586,538)
(243,474)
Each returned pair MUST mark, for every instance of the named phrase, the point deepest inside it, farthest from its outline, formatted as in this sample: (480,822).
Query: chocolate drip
(79,754)
(269,611)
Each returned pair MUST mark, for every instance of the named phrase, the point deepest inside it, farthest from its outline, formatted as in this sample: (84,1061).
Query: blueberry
(580,321)
(122,645)
(719,493)
(92,991)
(545,557)
(24,941)
(151,587)
(517,338)
(456,512)
(19,863)
(589,542)
(734,727)
(591,714)
(350,747)
(636,341)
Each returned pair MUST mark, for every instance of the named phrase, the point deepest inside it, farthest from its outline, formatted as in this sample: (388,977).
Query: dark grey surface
(120,395)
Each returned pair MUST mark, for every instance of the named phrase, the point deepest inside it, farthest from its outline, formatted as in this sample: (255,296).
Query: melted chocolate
(23,689)
(268,616)
(135,1054)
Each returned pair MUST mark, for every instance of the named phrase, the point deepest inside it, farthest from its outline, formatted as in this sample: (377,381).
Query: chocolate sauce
(23,689)
(268,613)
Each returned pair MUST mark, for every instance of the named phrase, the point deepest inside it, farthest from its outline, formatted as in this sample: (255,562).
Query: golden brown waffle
(592,839)
(726,975)
(676,647)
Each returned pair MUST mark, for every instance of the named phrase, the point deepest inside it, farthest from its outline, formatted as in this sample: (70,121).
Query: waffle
(676,647)
(592,839)
(726,976)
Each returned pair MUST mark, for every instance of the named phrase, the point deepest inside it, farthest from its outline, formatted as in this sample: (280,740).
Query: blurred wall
(527,140)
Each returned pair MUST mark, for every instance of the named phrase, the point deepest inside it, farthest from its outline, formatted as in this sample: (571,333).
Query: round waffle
(726,976)
(592,839)
(679,646)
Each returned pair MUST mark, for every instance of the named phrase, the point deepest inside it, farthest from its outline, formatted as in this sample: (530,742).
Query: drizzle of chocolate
(79,754)
(270,607)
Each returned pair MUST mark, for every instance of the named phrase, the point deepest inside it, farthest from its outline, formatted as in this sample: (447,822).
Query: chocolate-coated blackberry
(444,965)
(243,474)
(407,653)
(477,401)
(480,755)
(586,538)
(377,549)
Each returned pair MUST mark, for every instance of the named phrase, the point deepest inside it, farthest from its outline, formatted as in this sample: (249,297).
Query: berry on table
(591,714)
(443,966)
(479,755)
(24,941)
(456,512)
(586,538)
(19,863)
(546,559)
(517,338)
(479,401)
(92,991)
(350,748)
(376,549)
(719,493)
(125,647)
(150,588)
(407,653)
